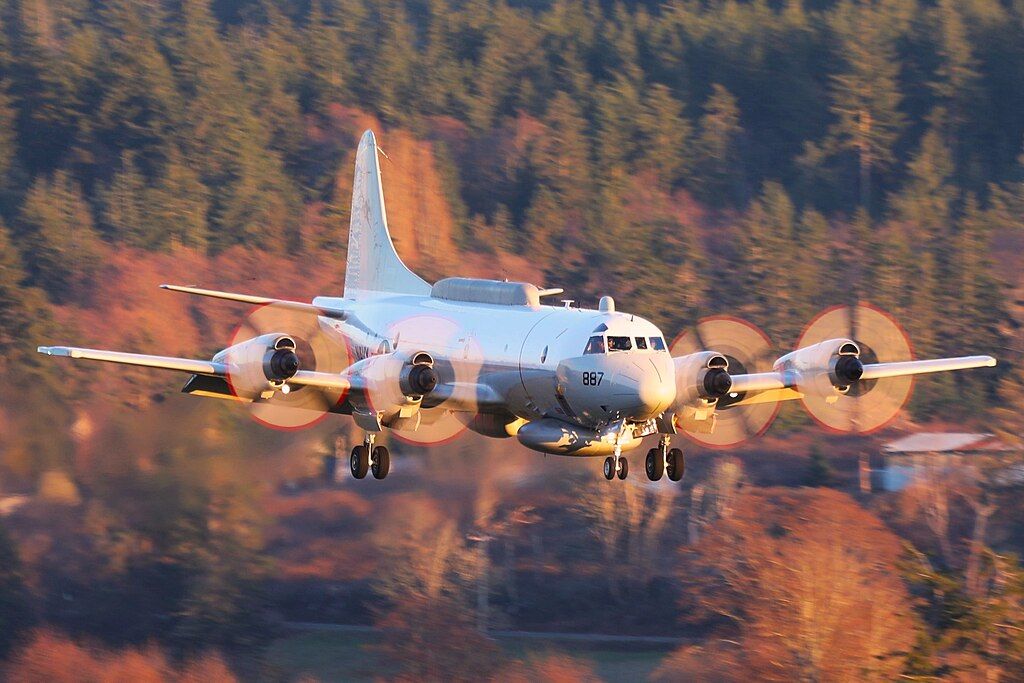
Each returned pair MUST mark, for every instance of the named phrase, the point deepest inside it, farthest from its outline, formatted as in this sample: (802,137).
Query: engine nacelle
(260,364)
(703,375)
(394,384)
(830,366)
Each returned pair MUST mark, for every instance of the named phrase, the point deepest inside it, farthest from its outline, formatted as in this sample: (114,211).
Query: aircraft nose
(655,391)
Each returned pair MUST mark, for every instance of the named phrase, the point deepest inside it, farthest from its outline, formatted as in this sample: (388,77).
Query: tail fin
(373,264)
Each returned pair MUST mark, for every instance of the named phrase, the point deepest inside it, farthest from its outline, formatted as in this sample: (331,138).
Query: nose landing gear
(616,467)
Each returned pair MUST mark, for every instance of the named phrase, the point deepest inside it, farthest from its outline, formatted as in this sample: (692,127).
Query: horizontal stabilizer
(298,306)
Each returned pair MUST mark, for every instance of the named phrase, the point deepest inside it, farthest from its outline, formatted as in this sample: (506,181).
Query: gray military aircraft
(428,360)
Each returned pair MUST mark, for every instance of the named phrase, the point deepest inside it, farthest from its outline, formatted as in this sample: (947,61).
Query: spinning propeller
(867,404)
(315,346)
(457,360)
(748,350)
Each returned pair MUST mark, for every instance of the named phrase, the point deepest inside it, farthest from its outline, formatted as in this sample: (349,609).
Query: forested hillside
(765,159)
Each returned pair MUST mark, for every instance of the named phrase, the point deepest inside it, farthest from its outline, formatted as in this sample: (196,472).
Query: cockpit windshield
(595,345)
(657,343)
(620,343)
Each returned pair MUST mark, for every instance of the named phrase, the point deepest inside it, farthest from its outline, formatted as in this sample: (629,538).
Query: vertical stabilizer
(373,264)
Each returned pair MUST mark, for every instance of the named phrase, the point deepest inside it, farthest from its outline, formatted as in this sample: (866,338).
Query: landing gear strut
(370,458)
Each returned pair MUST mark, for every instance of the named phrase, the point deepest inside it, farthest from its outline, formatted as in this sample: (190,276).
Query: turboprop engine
(827,368)
(394,386)
(262,365)
(703,375)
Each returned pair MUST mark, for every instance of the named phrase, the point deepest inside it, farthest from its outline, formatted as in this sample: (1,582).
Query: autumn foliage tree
(805,580)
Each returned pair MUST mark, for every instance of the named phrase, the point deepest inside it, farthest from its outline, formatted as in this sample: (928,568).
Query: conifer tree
(56,227)
(719,168)
(666,132)
(865,93)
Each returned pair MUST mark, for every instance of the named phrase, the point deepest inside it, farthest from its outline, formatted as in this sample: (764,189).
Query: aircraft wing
(784,385)
(192,366)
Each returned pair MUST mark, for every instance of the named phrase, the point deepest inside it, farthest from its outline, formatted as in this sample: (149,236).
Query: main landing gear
(370,458)
(664,460)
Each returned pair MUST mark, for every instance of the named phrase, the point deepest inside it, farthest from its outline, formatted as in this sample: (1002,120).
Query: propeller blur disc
(320,348)
(748,350)
(868,405)
(458,360)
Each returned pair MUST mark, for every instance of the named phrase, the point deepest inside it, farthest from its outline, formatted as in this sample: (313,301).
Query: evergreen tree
(140,108)
(666,135)
(562,160)
(178,206)
(865,94)
(719,167)
(125,206)
(56,227)
(765,240)
(327,57)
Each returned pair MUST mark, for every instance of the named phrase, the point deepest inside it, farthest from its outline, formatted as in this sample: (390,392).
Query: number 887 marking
(592,379)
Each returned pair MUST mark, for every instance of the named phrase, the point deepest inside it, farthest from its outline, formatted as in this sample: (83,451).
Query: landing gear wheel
(359,461)
(609,468)
(381,462)
(623,469)
(655,464)
(675,465)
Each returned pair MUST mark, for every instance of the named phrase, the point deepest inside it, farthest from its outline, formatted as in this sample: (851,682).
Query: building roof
(945,442)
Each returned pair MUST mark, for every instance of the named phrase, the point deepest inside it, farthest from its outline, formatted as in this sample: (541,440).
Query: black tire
(675,467)
(623,468)
(655,464)
(381,462)
(609,468)
(359,462)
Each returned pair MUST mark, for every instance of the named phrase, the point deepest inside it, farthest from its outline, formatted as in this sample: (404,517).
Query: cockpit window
(619,344)
(641,343)
(595,345)
(657,343)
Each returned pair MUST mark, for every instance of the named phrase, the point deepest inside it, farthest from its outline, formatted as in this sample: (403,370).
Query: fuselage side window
(595,345)
(619,344)
(641,343)
(657,343)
